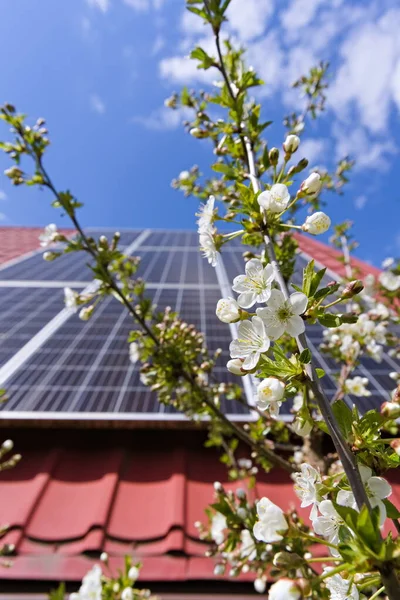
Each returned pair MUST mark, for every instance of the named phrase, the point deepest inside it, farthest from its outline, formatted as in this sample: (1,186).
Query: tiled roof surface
(71,498)
(329,257)
(16,241)
(76,495)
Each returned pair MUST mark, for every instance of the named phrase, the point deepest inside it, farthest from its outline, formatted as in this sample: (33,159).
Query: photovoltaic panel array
(75,368)
(84,367)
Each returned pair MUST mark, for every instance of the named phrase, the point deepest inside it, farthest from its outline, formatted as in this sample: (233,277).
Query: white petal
(379,487)
(258,325)
(251,361)
(269,273)
(236,349)
(246,299)
(365,472)
(254,268)
(295,326)
(239,284)
(264,296)
(299,302)
(276,300)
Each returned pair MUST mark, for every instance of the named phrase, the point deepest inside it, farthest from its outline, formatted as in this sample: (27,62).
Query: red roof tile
(132,492)
(329,257)
(16,241)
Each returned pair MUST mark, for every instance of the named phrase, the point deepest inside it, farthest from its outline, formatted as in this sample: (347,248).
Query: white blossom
(369,285)
(235,366)
(251,342)
(377,489)
(127,594)
(301,427)
(284,315)
(388,262)
(48,235)
(70,299)
(248,548)
(133,573)
(218,525)
(276,199)
(375,351)
(317,223)
(206,215)
(255,285)
(291,143)
(357,386)
(311,185)
(228,310)
(91,586)
(328,523)
(259,585)
(271,522)
(208,247)
(284,589)
(305,487)
(134,352)
(339,588)
(270,393)
(184,175)
(389,280)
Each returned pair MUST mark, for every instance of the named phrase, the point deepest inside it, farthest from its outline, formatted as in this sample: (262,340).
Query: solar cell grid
(85,367)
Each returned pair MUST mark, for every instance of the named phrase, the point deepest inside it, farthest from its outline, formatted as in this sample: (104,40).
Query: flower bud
(198,133)
(219,569)
(133,573)
(170,102)
(291,144)
(311,185)
(7,445)
(104,557)
(50,256)
(86,312)
(259,585)
(240,493)
(284,589)
(353,288)
(287,560)
(127,594)
(396,395)
(395,444)
(273,156)
(242,513)
(218,486)
(302,428)
(228,310)
(301,165)
(317,223)
(235,366)
(390,409)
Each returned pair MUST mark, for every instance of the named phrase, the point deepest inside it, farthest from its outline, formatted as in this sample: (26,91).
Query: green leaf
(316,280)
(344,418)
(223,168)
(305,356)
(329,320)
(205,61)
(319,372)
(308,273)
(391,510)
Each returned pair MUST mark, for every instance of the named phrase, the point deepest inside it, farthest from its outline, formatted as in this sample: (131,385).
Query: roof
(70,499)
(18,241)
(57,368)
(119,493)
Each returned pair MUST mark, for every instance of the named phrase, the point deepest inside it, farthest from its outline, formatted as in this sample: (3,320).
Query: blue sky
(99,71)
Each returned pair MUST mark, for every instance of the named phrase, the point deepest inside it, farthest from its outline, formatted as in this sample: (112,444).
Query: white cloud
(158,45)
(312,149)
(368,152)
(249,21)
(3,217)
(144,5)
(102,5)
(183,69)
(3,196)
(360,202)
(97,104)
(193,24)
(364,79)
(300,13)
(163,119)
(269,70)
(139,5)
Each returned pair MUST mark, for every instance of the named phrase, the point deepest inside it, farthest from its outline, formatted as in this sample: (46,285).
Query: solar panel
(84,368)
